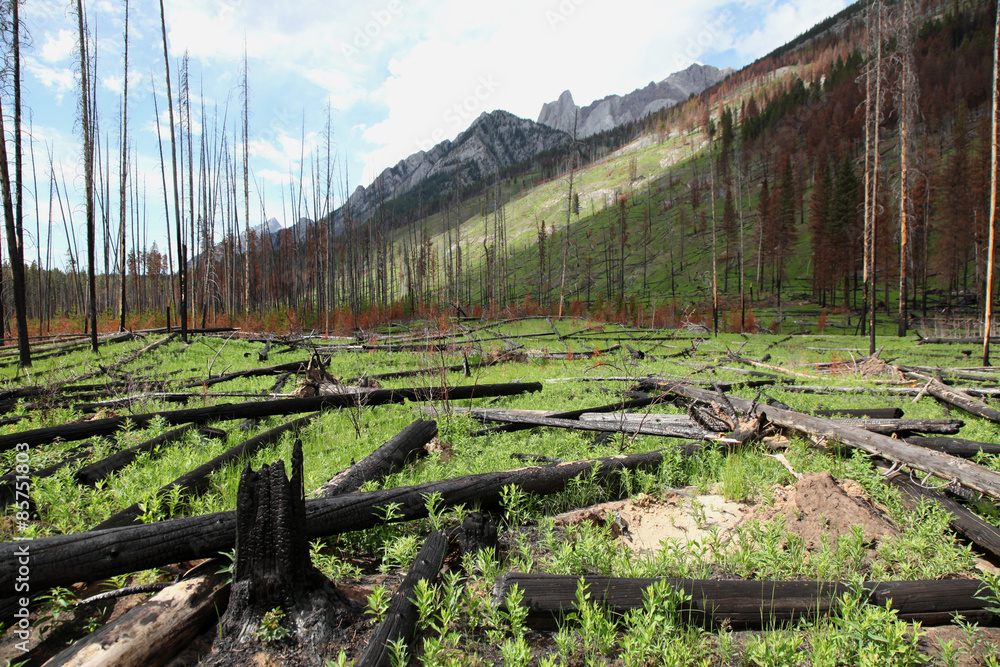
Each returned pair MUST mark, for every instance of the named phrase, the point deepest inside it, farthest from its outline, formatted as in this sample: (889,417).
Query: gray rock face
(555,114)
(493,142)
(615,110)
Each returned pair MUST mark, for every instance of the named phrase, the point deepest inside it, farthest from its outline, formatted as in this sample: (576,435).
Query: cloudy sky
(395,76)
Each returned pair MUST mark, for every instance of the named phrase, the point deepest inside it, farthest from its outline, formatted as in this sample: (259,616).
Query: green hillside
(639,240)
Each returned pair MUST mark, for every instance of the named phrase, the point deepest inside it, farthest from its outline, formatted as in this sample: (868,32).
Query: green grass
(926,548)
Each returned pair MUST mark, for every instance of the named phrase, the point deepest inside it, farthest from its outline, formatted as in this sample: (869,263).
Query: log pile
(274,521)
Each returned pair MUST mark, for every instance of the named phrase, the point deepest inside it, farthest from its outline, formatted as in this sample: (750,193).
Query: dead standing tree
(13,206)
(906,102)
(873,75)
(87,123)
(993,196)
(124,182)
(181,253)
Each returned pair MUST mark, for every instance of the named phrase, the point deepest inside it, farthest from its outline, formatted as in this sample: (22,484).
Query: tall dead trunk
(12,201)
(88,170)
(993,197)
(875,159)
(569,210)
(123,184)
(181,253)
(246,186)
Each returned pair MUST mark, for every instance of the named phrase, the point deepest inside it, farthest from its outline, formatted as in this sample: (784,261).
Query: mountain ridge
(614,110)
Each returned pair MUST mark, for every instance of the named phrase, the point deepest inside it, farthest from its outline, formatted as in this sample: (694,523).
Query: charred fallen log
(951,396)
(287,406)
(9,482)
(93,473)
(862,413)
(197,480)
(749,604)
(401,619)
(969,474)
(151,633)
(383,461)
(964,521)
(65,559)
(966,449)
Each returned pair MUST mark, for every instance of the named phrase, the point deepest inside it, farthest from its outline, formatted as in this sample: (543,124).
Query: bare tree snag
(383,461)
(272,567)
(287,406)
(991,234)
(748,604)
(153,632)
(65,559)
(197,480)
(401,619)
(969,474)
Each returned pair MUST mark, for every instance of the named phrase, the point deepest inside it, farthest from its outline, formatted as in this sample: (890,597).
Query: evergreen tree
(729,228)
(842,222)
(819,220)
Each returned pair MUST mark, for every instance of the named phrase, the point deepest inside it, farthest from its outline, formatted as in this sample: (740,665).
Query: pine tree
(729,228)
(843,222)
(819,221)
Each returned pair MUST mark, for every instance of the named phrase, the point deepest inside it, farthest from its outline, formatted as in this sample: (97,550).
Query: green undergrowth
(458,624)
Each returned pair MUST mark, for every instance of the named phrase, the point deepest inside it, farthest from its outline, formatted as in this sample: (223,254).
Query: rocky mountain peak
(615,110)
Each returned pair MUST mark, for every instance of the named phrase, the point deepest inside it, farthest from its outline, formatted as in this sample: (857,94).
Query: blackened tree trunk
(88,170)
(181,252)
(272,569)
(401,619)
(123,184)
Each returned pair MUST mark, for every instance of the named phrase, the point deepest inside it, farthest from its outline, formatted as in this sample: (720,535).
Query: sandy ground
(816,508)
(644,522)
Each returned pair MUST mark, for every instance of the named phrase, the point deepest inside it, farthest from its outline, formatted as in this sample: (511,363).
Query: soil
(644,522)
(818,507)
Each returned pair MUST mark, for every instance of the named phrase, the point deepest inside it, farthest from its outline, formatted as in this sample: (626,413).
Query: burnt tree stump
(272,568)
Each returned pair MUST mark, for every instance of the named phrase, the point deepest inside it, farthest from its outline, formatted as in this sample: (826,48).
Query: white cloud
(59,46)
(783,21)
(59,80)
(526,53)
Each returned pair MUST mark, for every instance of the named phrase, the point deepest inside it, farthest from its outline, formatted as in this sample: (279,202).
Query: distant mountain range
(497,140)
(493,142)
(615,110)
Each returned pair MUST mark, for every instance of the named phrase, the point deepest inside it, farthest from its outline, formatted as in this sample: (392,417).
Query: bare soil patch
(644,522)
(818,507)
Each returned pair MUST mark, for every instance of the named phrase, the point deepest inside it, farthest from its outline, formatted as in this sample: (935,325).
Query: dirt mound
(874,368)
(817,506)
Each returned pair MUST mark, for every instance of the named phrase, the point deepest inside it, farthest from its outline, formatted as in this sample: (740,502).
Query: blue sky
(397,76)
